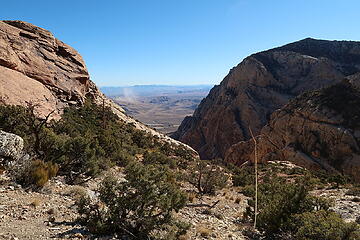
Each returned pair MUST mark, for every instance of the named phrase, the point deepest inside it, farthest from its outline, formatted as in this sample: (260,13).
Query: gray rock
(11,145)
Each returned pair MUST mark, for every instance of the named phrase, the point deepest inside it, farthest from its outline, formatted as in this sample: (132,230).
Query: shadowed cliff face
(259,85)
(317,130)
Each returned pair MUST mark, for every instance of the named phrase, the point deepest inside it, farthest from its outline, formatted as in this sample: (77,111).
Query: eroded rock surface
(319,130)
(259,85)
(36,67)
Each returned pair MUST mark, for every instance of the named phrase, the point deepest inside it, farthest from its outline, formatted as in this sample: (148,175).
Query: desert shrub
(207,177)
(151,157)
(248,190)
(184,155)
(76,192)
(12,119)
(278,201)
(191,196)
(38,173)
(336,180)
(136,207)
(183,152)
(82,156)
(35,203)
(286,207)
(23,121)
(323,225)
(204,231)
(244,176)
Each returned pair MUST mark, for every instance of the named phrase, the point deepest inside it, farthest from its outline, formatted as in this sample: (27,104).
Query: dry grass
(184,237)
(35,203)
(76,192)
(203,231)
(237,200)
(191,196)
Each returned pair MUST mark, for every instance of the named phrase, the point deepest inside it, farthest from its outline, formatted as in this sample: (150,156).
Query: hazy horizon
(127,43)
(157,85)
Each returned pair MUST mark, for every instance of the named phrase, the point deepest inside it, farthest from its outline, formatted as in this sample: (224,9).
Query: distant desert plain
(161,107)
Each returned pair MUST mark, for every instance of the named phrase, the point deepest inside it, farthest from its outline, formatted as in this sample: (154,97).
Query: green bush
(244,176)
(323,225)
(13,119)
(287,209)
(151,157)
(278,201)
(137,207)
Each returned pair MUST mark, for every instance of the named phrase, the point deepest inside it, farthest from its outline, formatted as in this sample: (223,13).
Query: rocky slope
(319,130)
(37,68)
(260,84)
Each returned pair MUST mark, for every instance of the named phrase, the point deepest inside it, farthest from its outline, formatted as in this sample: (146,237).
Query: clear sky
(127,42)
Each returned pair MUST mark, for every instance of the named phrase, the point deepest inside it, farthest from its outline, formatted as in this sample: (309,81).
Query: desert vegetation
(288,209)
(140,207)
(86,141)
(90,139)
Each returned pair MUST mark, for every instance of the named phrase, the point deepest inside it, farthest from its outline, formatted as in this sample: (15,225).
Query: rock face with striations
(317,130)
(38,68)
(260,84)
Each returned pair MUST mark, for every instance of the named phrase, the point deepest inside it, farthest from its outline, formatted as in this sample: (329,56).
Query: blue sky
(127,42)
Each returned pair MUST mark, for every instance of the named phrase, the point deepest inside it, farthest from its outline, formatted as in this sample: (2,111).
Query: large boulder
(261,84)
(11,146)
(317,130)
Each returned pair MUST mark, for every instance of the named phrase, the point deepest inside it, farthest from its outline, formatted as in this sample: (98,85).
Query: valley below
(159,107)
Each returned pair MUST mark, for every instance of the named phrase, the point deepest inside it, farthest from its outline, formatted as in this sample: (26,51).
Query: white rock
(11,145)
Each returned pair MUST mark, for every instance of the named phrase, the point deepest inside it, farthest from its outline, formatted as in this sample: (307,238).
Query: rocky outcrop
(317,130)
(11,146)
(259,85)
(36,67)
